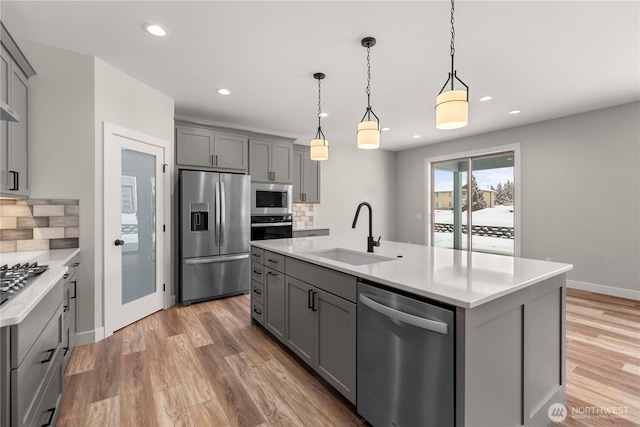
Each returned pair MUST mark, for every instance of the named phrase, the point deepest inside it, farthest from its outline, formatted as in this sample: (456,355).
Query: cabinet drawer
(257,312)
(257,255)
(257,292)
(257,272)
(24,334)
(274,260)
(47,413)
(28,380)
(311,233)
(73,267)
(340,284)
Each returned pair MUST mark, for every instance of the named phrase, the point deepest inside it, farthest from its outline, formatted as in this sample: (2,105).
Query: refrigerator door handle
(216,259)
(223,216)
(217,214)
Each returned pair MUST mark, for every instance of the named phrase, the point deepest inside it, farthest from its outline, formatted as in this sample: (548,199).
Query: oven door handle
(216,259)
(271,224)
(401,316)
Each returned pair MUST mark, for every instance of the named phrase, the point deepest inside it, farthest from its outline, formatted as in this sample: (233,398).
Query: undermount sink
(350,257)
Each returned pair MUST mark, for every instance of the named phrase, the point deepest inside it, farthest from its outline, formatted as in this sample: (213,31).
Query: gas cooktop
(14,280)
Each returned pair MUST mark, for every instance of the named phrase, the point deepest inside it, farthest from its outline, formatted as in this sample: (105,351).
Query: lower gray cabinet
(300,320)
(274,303)
(322,332)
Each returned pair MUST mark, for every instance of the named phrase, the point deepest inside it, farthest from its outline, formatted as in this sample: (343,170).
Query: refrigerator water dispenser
(199,216)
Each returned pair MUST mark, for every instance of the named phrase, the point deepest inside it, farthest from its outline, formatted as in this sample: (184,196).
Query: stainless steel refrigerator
(215,229)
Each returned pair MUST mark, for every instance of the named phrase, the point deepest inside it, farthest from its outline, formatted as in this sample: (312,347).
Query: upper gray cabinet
(198,146)
(306,176)
(270,161)
(14,92)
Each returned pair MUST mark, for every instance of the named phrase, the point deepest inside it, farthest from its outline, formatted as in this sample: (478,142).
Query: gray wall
(352,176)
(70,97)
(580,184)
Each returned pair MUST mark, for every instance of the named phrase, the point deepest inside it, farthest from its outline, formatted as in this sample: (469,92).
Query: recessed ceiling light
(224,91)
(514,112)
(486,98)
(385,129)
(155,29)
(416,136)
(323,114)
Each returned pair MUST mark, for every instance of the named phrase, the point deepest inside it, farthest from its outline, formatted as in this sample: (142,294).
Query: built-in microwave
(271,199)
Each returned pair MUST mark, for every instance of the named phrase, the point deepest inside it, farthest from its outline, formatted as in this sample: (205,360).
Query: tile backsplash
(302,215)
(38,224)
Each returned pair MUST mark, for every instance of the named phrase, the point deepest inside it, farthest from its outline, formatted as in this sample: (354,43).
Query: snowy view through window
(492,204)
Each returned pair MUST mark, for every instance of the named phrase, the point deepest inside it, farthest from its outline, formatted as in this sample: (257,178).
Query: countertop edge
(45,283)
(417,291)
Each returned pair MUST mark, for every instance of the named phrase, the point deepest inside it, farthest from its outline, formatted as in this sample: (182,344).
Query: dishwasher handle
(420,322)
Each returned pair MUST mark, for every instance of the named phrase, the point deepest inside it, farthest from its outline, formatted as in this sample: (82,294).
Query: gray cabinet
(69,319)
(270,161)
(31,355)
(306,176)
(274,292)
(257,285)
(199,146)
(14,92)
(321,322)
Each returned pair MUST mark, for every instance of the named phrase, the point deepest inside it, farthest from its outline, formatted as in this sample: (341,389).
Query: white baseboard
(606,290)
(89,337)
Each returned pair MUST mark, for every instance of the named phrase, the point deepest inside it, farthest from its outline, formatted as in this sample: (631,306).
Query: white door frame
(110,133)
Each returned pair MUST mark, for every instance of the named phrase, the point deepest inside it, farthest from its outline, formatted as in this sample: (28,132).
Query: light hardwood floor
(205,365)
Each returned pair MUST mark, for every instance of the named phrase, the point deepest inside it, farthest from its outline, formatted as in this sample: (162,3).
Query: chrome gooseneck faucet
(371,242)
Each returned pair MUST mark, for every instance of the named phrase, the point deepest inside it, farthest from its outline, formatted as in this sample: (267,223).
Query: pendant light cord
(368,90)
(453,39)
(319,133)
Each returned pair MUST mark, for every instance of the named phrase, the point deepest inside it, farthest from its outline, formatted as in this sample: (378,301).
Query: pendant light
(452,106)
(369,130)
(319,145)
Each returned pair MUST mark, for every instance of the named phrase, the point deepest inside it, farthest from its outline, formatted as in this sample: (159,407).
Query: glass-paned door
(134,240)
(474,211)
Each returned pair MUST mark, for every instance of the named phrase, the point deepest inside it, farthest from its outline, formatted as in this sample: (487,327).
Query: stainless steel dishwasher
(406,359)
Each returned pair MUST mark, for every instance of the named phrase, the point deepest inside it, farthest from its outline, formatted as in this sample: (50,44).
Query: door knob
(118,242)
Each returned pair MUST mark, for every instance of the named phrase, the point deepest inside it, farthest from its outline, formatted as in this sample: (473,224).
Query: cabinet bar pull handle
(52,412)
(216,160)
(75,264)
(257,310)
(275,261)
(271,273)
(257,271)
(211,160)
(65,276)
(257,291)
(14,175)
(51,353)
(309,299)
(313,301)
(66,308)
(75,291)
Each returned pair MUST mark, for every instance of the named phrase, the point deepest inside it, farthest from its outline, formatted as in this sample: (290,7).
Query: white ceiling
(547,58)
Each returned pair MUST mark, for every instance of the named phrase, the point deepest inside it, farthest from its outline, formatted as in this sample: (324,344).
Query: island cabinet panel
(335,282)
(321,322)
(300,320)
(335,353)
(514,345)
(257,285)
(274,303)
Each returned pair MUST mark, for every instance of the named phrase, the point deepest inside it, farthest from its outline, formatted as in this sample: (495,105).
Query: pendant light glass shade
(368,135)
(319,149)
(319,145)
(452,109)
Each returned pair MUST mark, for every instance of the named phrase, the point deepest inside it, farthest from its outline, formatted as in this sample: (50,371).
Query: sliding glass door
(474,211)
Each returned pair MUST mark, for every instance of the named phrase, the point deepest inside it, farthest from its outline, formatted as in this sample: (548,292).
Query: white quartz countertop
(15,310)
(461,278)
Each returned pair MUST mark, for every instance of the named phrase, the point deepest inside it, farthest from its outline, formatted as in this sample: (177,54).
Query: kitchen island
(509,316)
